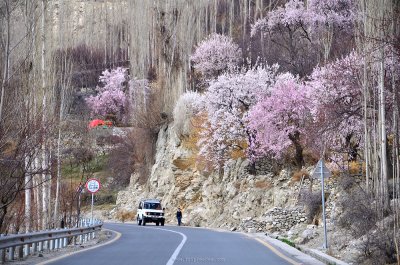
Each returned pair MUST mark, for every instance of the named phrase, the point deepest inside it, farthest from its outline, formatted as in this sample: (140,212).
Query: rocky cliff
(227,200)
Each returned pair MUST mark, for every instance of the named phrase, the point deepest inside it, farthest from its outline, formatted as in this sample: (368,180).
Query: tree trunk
(383,149)
(58,184)
(6,58)
(3,213)
(295,138)
(28,182)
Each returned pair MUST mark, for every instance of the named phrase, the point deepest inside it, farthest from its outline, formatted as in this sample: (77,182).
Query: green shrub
(287,241)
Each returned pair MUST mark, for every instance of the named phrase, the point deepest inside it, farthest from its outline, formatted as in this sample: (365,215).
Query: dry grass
(197,198)
(191,141)
(356,167)
(185,164)
(262,184)
(124,215)
(297,175)
(240,151)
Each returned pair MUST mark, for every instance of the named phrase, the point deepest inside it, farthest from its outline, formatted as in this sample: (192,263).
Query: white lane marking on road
(178,249)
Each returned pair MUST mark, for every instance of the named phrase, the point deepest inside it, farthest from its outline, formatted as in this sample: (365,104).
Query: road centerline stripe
(172,259)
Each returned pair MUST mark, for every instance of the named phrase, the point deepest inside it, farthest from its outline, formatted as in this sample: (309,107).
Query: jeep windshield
(152,205)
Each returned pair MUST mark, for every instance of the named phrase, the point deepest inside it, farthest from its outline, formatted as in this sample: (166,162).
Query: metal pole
(78,210)
(323,204)
(91,221)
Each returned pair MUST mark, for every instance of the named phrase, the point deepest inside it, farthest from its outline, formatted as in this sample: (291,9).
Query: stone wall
(275,219)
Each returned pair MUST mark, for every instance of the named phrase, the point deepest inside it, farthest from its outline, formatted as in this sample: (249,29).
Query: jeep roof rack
(151,200)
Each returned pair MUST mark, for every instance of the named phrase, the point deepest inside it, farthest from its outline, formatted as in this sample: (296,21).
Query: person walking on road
(179,216)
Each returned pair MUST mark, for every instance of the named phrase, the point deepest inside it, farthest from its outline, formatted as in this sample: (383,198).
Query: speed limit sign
(93,185)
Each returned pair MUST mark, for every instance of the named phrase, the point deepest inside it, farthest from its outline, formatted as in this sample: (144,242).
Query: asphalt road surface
(170,245)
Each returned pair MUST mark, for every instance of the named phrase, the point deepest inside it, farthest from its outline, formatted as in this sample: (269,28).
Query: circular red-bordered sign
(93,185)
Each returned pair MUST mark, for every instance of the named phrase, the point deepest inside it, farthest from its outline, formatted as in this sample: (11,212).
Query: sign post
(321,171)
(92,186)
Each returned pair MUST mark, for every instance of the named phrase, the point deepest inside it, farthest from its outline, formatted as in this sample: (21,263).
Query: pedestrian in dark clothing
(179,216)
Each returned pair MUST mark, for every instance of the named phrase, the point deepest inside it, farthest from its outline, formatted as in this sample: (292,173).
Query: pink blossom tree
(336,94)
(227,101)
(325,17)
(287,31)
(216,54)
(307,25)
(280,119)
(111,98)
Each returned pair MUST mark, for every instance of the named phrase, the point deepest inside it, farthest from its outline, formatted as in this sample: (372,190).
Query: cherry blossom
(216,54)
(280,119)
(111,98)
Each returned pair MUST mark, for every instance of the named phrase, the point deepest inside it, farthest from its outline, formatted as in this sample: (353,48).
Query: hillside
(222,108)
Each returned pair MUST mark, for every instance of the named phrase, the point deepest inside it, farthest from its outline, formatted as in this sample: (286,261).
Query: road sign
(93,185)
(321,169)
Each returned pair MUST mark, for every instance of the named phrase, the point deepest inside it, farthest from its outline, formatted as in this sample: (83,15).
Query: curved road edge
(283,250)
(116,237)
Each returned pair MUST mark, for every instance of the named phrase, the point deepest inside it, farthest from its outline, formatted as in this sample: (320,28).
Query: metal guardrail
(20,245)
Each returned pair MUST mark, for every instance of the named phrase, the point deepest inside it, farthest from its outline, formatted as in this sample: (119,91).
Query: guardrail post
(40,246)
(51,244)
(27,249)
(34,247)
(56,243)
(11,253)
(20,251)
(2,253)
(65,242)
(3,256)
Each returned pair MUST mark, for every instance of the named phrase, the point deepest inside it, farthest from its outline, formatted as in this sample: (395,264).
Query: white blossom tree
(227,101)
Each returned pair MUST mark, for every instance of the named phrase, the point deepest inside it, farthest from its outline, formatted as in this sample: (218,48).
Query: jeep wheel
(139,222)
(162,222)
(157,223)
(144,221)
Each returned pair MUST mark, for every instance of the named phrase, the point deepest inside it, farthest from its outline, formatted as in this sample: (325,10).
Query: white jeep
(150,211)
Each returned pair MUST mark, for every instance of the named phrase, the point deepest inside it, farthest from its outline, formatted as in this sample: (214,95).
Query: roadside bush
(358,213)
(378,247)
(361,218)
(297,175)
(312,202)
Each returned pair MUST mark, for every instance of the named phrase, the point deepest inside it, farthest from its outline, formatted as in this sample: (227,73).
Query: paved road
(175,245)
